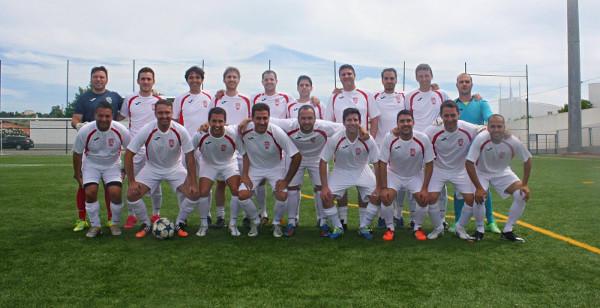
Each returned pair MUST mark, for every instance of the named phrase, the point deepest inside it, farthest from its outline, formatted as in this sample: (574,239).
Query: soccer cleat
(437,232)
(93,232)
(144,229)
(381,223)
(264,221)
(209,220)
(411,225)
(246,222)
(115,230)
(420,235)
(477,236)
(510,236)
(130,223)
(80,225)
(446,226)
(336,233)
(388,235)
(290,230)
(493,227)
(365,233)
(344,225)
(154,218)
(108,223)
(233,230)
(253,230)
(277,231)
(202,231)
(220,223)
(462,234)
(324,231)
(452,228)
(180,228)
(398,222)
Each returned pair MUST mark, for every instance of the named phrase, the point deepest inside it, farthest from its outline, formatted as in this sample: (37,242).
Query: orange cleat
(420,235)
(181,232)
(144,230)
(388,235)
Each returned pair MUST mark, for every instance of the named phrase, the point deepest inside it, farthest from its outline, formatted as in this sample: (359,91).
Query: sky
(299,37)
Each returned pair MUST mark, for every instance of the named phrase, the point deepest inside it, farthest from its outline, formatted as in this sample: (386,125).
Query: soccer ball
(163,229)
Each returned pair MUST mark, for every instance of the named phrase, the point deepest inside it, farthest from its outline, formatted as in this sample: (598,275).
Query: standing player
(263,147)
(406,164)
(352,156)
(191,108)
(305,86)
(139,108)
(476,110)
(451,144)
(85,109)
(165,140)
(97,157)
(488,163)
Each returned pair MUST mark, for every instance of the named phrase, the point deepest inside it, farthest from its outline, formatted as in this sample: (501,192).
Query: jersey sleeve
(429,154)
(138,141)
(521,150)
(286,143)
(196,139)
(126,136)
(384,155)
(486,110)
(327,152)
(79,105)
(373,108)
(329,127)
(474,150)
(78,144)
(285,124)
(329,115)
(125,108)
(373,151)
(177,109)
(186,141)
(445,96)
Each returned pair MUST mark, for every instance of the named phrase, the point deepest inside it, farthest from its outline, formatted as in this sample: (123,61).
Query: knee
(203,192)
(244,194)
(469,199)
(91,193)
(374,200)
(281,195)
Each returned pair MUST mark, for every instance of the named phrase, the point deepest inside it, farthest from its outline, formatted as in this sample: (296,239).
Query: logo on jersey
(413,152)
(204,103)
(357,151)
(157,137)
(277,102)
(398,98)
(501,155)
(96,139)
(109,100)
(238,106)
(461,141)
(223,147)
(433,101)
(355,100)
(267,145)
(137,103)
(171,143)
(111,142)
(313,140)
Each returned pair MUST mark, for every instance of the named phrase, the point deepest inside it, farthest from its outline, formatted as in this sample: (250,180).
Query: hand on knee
(281,195)
(244,194)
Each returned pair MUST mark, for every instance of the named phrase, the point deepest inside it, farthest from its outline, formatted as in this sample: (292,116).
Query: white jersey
(191,110)
(294,107)
(163,149)
(277,102)
(406,158)
(357,98)
(425,106)
(217,151)
(265,151)
(311,144)
(237,107)
(101,149)
(451,148)
(350,157)
(494,158)
(140,111)
(389,104)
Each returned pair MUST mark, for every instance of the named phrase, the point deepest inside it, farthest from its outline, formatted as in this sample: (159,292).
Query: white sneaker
(93,232)
(277,231)
(202,231)
(462,234)
(253,230)
(233,230)
(437,232)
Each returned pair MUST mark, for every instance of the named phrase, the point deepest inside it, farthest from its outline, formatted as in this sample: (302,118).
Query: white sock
(297,217)
(419,217)
(434,214)
(204,206)
(250,210)
(261,198)
(412,205)
(516,210)
(292,205)
(343,213)
(332,215)
(443,203)
(318,205)
(116,208)
(139,208)
(280,208)
(399,204)
(362,211)
(234,211)
(93,211)
(465,216)
(368,214)
(479,213)
(186,207)
(387,212)
(156,197)
(220,211)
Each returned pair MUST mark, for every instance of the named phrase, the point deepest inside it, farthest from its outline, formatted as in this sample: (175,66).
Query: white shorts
(398,183)
(220,173)
(93,174)
(269,175)
(460,179)
(500,182)
(339,182)
(313,172)
(152,178)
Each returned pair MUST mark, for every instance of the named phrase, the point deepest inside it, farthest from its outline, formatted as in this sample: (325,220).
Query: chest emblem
(171,143)
(267,145)
(238,106)
(461,142)
(355,100)
(111,142)
(413,152)
(357,151)
(223,147)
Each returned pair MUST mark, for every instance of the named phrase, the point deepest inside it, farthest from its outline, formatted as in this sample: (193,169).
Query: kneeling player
(351,168)
(96,157)
(488,163)
(164,140)
(404,155)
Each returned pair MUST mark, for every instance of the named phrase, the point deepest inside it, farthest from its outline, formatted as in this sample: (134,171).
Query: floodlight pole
(403,76)
(67,97)
(526,102)
(465,67)
(269,64)
(574,72)
(133,76)
(334,74)
(1,122)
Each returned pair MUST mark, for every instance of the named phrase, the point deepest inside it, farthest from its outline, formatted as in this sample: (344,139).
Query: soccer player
(164,140)
(263,147)
(488,163)
(450,144)
(97,157)
(85,109)
(305,87)
(352,156)
(406,164)
(139,108)
(476,110)
(191,109)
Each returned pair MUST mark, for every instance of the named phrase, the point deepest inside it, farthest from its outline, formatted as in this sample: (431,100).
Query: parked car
(17,142)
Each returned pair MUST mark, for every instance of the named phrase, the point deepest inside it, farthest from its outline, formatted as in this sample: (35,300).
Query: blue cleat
(398,222)
(366,233)
(381,223)
(324,230)
(336,233)
(290,230)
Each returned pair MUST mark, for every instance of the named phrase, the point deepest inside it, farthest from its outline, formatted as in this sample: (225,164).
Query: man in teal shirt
(473,109)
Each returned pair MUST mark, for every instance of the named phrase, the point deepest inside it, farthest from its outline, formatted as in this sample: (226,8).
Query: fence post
(1,138)
(537,148)
(590,135)
(556,143)
(66,137)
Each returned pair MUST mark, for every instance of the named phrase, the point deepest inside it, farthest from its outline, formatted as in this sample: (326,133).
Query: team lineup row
(269,149)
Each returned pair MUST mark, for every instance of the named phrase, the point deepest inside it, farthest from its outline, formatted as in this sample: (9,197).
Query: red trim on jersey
(288,109)
(157,97)
(87,140)
(205,93)
(392,144)
(148,141)
(366,100)
(466,133)
(338,144)
(320,113)
(410,100)
(324,134)
(287,99)
(365,144)
(277,144)
(180,120)
(512,150)
(118,134)
(434,139)
(244,134)
(247,103)
(176,134)
(256,97)
(230,141)
(481,150)
(292,131)
(333,105)
(217,101)
(202,140)
(421,145)
(129,108)
(440,95)
(377,95)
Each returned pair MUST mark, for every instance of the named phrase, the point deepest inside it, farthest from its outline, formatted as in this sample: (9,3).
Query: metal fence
(49,135)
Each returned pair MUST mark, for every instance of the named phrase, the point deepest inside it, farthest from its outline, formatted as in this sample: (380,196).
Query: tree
(585,104)
(70,108)
(56,112)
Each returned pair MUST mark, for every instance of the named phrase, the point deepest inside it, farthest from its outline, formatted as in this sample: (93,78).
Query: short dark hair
(303,77)
(423,67)
(349,111)
(260,107)
(99,69)
(306,107)
(404,112)
(145,70)
(496,115)
(103,104)
(194,69)
(449,104)
(217,110)
(269,72)
(389,69)
(231,69)
(346,67)
(165,102)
